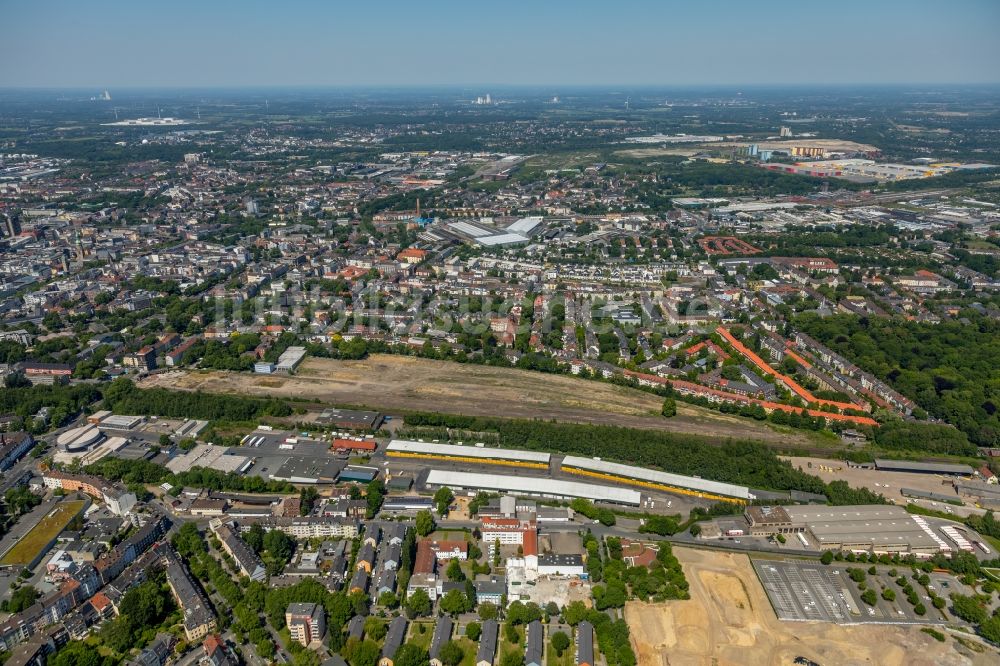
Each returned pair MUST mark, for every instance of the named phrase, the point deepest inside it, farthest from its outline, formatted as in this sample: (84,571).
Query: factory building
(865,528)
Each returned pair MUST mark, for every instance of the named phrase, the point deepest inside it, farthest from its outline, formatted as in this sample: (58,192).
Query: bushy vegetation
(612,635)
(64,402)
(587,508)
(145,472)
(124,397)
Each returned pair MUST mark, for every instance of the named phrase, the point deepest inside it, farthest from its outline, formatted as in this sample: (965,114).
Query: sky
(226,43)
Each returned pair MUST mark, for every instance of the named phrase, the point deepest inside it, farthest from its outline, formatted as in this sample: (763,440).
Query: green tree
(254,537)
(827,557)
(990,629)
(454,571)
(20,599)
(451,654)
(77,653)
(868,596)
(560,641)
(488,611)
(454,602)
(443,499)
(967,608)
(418,604)
(512,659)
(307,500)
(425,523)
(409,654)
(375,628)
(364,653)
(279,545)
(669,408)
(473,631)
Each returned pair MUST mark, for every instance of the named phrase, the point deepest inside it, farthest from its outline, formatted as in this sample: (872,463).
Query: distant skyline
(182,43)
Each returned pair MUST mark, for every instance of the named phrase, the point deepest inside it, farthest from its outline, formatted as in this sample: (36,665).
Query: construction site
(729,620)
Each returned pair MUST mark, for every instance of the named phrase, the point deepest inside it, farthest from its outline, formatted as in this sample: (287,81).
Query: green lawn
(992,541)
(449,535)
(506,646)
(27,549)
(992,573)
(421,639)
(552,660)
(468,650)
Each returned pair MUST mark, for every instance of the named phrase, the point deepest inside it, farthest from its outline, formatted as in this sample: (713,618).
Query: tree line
(734,461)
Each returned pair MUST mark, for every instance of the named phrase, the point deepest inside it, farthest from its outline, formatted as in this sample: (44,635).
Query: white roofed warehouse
(481,455)
(533,486)
(654,480)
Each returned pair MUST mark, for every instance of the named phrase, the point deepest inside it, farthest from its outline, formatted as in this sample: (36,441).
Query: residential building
(534,644)
(585,644)
(442,634)
(248,562)
(199,620)
(487,651)
(306,622)
(393,640)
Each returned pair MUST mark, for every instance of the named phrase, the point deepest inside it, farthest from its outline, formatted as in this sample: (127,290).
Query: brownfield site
(388,382)
(889,484)
(729,620)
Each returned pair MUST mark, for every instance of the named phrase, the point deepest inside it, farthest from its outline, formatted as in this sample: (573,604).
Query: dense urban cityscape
(499,375)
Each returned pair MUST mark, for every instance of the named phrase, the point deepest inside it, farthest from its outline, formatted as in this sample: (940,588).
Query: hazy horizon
(310,44)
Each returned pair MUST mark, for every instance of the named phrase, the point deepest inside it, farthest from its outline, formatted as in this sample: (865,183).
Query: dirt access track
(388,382)
(729,621)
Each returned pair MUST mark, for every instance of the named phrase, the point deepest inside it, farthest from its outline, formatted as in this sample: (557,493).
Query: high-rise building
(306,622)
(786,131)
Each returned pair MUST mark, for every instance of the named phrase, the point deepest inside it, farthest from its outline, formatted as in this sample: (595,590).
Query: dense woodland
(951,370)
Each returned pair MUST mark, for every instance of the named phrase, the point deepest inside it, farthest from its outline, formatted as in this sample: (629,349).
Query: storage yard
(889,483)
(389,383)
(729,620)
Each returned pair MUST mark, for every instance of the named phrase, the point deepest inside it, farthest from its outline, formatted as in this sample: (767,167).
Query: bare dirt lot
(728,620)
(388,382)
(877,481)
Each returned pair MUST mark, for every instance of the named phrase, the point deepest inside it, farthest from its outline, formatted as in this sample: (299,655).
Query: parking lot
(812,592)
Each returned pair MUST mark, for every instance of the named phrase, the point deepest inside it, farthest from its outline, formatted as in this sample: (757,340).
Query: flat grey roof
(306,470)
(875,525)
(915,466)
(807,513)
